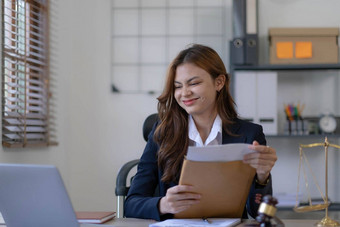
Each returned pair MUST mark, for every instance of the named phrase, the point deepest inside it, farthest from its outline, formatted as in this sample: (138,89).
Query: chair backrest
(122,189)
(148,124)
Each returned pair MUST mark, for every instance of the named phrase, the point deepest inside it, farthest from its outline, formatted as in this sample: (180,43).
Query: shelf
(288,67)
(304,136)
(332,207)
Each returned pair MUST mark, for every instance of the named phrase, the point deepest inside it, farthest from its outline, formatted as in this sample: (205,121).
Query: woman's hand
(177,199)
(262,160)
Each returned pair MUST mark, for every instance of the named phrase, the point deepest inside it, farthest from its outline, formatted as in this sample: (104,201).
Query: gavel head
(267,209)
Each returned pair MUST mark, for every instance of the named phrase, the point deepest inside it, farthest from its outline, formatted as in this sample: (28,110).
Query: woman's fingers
(180,188)
(178,198)
(263,159)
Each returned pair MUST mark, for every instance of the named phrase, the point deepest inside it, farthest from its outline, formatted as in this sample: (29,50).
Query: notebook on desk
(35,196)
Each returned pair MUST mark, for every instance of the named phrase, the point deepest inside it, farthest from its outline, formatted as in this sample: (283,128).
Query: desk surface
(133,222)
(129,222)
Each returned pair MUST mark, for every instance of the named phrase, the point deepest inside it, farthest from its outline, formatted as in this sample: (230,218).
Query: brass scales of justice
(326,221)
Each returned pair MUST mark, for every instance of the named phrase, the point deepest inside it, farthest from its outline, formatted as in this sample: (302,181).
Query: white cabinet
(255,94)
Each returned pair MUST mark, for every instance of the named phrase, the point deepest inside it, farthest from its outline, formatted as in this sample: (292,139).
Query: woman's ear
(219,82)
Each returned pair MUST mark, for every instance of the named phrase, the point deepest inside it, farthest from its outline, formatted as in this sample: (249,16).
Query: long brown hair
(172,132)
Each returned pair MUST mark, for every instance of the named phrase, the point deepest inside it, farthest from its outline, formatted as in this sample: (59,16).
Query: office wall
(101,124)
(98,131)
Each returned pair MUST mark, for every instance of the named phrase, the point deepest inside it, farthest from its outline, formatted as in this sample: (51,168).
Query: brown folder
(224,188)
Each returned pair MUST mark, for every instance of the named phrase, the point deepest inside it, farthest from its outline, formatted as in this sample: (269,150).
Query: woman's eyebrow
(188,81)
(192,78)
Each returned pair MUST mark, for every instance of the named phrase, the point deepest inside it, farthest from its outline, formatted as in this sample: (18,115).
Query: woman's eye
(194,83)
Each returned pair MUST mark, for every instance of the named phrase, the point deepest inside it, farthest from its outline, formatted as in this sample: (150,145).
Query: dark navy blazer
(141,202)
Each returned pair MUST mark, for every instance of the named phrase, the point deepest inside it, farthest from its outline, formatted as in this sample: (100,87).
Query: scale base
(326,221)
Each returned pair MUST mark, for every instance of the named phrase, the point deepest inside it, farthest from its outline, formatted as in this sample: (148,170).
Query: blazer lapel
(233,139)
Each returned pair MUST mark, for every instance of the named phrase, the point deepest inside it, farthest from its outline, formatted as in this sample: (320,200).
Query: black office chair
(121,188)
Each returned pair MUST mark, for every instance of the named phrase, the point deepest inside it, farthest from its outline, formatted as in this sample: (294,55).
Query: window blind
(25,74)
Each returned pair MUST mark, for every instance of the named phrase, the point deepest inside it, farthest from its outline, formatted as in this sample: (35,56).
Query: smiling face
(196,90)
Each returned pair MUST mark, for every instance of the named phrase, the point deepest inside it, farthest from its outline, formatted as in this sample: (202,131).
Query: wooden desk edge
(126,222)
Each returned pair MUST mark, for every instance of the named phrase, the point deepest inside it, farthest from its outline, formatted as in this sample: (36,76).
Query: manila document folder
(224,187)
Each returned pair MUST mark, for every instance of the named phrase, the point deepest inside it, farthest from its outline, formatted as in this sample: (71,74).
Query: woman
(195,109)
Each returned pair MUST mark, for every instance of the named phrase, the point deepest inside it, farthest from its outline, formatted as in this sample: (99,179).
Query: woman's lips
(189,102)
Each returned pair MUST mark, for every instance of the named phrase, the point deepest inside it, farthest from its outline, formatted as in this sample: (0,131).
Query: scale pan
(302,209)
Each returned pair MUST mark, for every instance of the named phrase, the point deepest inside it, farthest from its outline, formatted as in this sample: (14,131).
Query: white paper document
(198,222)
(219,153)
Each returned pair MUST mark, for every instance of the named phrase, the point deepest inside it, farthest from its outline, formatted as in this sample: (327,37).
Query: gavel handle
(278,221)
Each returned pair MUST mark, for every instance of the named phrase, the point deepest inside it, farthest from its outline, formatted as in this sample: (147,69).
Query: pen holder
(296,126)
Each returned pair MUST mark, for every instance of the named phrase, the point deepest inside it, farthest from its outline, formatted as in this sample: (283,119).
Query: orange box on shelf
(304,45)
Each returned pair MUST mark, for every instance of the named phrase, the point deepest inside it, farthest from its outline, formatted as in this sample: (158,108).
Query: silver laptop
(34,196)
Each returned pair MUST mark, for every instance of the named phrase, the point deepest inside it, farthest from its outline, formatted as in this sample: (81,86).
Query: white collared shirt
(215,135)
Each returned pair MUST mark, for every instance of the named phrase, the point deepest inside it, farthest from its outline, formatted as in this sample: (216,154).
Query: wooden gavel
(266,214)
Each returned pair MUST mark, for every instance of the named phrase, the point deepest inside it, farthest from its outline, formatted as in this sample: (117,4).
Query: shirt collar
(215,135)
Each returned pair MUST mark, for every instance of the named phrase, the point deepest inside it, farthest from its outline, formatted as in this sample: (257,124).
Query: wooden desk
(295,223)
(133,222)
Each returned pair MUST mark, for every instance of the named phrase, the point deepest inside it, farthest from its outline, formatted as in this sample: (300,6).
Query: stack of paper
(198,222)
(219,153)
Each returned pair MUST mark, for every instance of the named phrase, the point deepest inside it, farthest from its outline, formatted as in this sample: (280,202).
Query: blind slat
(36,108)
(13,92)
(34,91)
(14,99)
(13,136)
(14,52)
(14,107)
(38,96)
(17,107)
(16,92)
(36,61)
(37,102)
(20,122)
(14,144)
(18,136)
(12,128)
(13,121)
(30,115)
(34,78)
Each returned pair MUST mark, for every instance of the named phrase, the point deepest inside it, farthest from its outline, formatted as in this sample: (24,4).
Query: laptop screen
(33,196)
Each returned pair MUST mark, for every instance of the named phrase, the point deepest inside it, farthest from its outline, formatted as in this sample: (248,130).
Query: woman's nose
(186,91)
